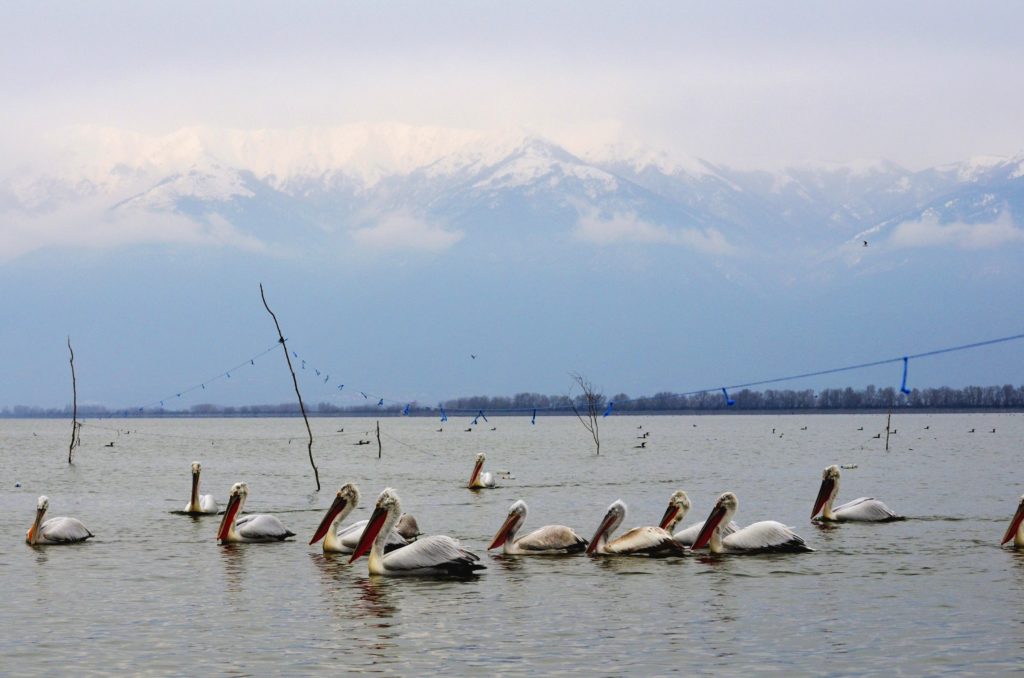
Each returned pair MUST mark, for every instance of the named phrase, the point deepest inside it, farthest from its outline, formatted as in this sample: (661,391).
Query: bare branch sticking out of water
(295,382)
(75,440)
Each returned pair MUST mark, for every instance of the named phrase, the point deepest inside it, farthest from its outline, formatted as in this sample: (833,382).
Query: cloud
(401,230)
(92,226)
(929,232)
(628,228)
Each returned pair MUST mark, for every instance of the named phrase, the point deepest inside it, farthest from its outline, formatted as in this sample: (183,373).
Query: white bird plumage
(862,509)
(199,504)
(766,536)
(255,528)
(678,506)
(547,540)
(59,530)
(428,556)
(638,541)
(481,479)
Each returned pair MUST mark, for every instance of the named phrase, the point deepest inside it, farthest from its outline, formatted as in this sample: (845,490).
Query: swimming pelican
(344,540)
(547,540)
(1016,529)
(480,480)
(678,506)
(58,530)
(199,503)
(766,536)
(433,555)
(642,541)
(864,509)
(258,527)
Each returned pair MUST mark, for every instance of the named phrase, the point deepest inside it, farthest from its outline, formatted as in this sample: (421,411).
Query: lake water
(154,593)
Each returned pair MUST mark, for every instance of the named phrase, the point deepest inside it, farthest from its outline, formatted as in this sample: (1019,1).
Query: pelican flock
(639,541)
(863,509)
(254,528)
(431,555)
(59,530)
(767,536)
(199,504)
(547,540)
(481,479)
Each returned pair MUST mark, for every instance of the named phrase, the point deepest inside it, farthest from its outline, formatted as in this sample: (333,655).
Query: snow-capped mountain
(282,184)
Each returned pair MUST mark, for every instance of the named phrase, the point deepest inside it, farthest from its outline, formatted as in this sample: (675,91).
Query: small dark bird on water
(110,444)
(640,446)
(865,243)
(878,435)
(971,431)
(440,429)
(860,428)
(468,430)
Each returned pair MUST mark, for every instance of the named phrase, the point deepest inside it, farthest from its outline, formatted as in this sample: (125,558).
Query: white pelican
(678,506)
(60,530)
(642,541)
(258,527)
(433,555)
(480,480)
(199,503)
(766,536)
(1016,529)
(344,540)
(547,540)
(864,509)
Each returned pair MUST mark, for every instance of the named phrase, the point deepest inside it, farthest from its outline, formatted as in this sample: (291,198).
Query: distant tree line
(1005,397)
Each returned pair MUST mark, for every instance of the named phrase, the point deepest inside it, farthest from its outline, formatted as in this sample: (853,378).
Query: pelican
(547,540)
(766,536)
(344,540)
(258,527)
(639,541)
(678,506)
(1016,529)
(864,509)
(427,556)
(199,503)
(58,530)
(480,480)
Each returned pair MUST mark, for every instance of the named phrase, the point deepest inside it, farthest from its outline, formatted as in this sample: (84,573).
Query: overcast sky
(743,83)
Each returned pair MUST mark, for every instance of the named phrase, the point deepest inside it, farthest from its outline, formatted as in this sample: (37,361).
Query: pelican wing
(262,527)
(554,538)
(63,530)
(651,541)
(767,536)
(688,535)
(487,479)
(436,554)
(867,509)
(207,504)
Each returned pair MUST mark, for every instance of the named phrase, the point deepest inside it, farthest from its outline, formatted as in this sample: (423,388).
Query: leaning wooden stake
(888,421)
(295,381)
(379,448)
(74,406)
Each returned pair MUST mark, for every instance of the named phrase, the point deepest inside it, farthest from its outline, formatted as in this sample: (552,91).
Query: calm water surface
(153,593)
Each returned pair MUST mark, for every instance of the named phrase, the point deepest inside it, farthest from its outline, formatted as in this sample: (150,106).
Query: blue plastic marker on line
(729,402)
(534,420)
(405,412)
(611,404)
(903,386)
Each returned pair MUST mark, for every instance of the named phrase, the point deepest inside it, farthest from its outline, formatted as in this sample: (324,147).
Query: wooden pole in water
(380,450)
(888,421)
(295,382)
(74,406)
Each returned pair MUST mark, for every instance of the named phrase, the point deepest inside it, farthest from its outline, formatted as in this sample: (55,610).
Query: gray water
(154,593)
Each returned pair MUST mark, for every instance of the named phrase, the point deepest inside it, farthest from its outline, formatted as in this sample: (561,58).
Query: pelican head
(384,515)
(42,504)
(827,492)
(344,501)
(1012,532)
(477,466)
(236,499)
(678,505)
(723,511)
(196,468)
(612,519)
(516,518)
